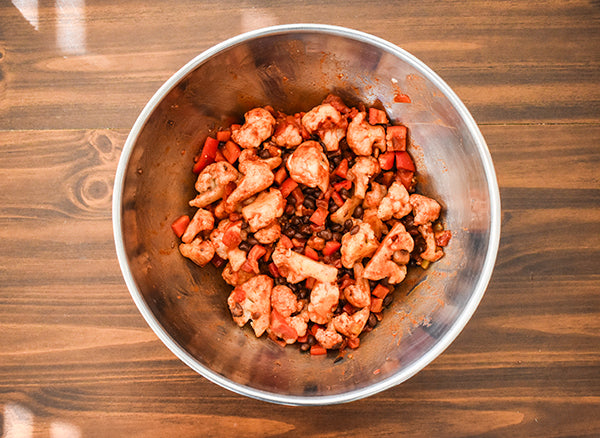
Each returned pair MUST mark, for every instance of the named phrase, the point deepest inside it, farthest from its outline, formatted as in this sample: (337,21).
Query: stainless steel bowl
(292,68)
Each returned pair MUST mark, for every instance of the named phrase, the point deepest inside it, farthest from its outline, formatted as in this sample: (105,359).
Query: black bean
(252,240)
(245,225)
(311,340)
(289,232)
(299,235)
(306,230)
(345,193)
(305,219)
(355,229)
(358,212)
(305,346)
(237,310)
(333,207)
(348,224)
(291,200)
(303,293)
(337,236)
(289,210)
(280,280)
(244,246)
(296,221)
(336,159)
(388,300)
(309,202)
(264,154)
(337,228)
(325,234)
(372,322)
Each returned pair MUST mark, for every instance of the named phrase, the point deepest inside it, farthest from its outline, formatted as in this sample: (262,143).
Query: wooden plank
(106,79)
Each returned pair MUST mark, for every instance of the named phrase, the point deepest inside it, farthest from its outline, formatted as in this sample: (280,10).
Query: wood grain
(76,357)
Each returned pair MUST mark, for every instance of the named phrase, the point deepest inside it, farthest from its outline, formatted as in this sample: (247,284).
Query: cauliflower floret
(235,278)
(203,220)
(199,251)
(287,133)
(374,197)
(258,126)
(345,212)
(268,234)
(308,165)
(362,136)
(299,322)
(297,267)
(237,258)
(351,325)
(361,173)
(251,301)
(212,182)
(265,209)
(281,328)
(358,294)
(328,338)
(357,246)
(432,253)
(227,236)
(257,177)
(327,123)
(285,301)
(324,299)
(370,217)
(395,204)
(381,265)
(424,209)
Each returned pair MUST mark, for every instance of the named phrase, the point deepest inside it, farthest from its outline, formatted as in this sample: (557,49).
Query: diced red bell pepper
(319,216)
(239,294)
(342,169)
(404,161)
(354,343)
(280,327)
(317,350)
(331,247)
(388,178)
(251,263)
(311,253)
(219,156)
(405,177)
(303,339)
(207,156)
(298,195)
(346,281)
(273,270)
(377,117)
(180,224)
(235,127)
(310,283)
(349,309)
(345,184)
(298,243)
(224,135)
(380,291)
(376,305)
(314,328)
(396,138)
(387,160)
(232,236)
(281,175)
(443,238)
(286,242)
(337,199)
(231,151)
(287,187)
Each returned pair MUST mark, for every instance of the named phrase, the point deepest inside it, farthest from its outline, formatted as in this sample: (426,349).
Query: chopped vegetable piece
(345,184)
(403,161)
(287,187)
(251,263)
(317,350)
(223,135)
(303,339)
(298,195)
(354,343)
(180,224)
(331,247)
(309,252)
(376,305)
(281,175)
(273,270)
(207,156)
(286,241)
(337,199)
(219,156)
(342,169)
(231,151)
(405,177)
(443,238)
(386,160)
(380,291)
(377,117)
(319,216)
(396,138)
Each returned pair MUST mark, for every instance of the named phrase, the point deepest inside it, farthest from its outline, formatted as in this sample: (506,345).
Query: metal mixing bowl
(292,68)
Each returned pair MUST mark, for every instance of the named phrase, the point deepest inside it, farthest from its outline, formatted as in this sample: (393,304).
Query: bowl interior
(293,70)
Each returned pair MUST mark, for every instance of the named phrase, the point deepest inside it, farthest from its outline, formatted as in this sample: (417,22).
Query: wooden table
(76,357)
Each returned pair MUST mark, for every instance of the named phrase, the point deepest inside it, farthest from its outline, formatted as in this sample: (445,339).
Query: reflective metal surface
(293,68)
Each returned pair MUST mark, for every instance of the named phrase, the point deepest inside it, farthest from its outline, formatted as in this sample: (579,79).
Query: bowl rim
(441,344)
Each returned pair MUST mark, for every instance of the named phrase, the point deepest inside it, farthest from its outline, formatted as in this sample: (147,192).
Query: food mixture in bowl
(314,218)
